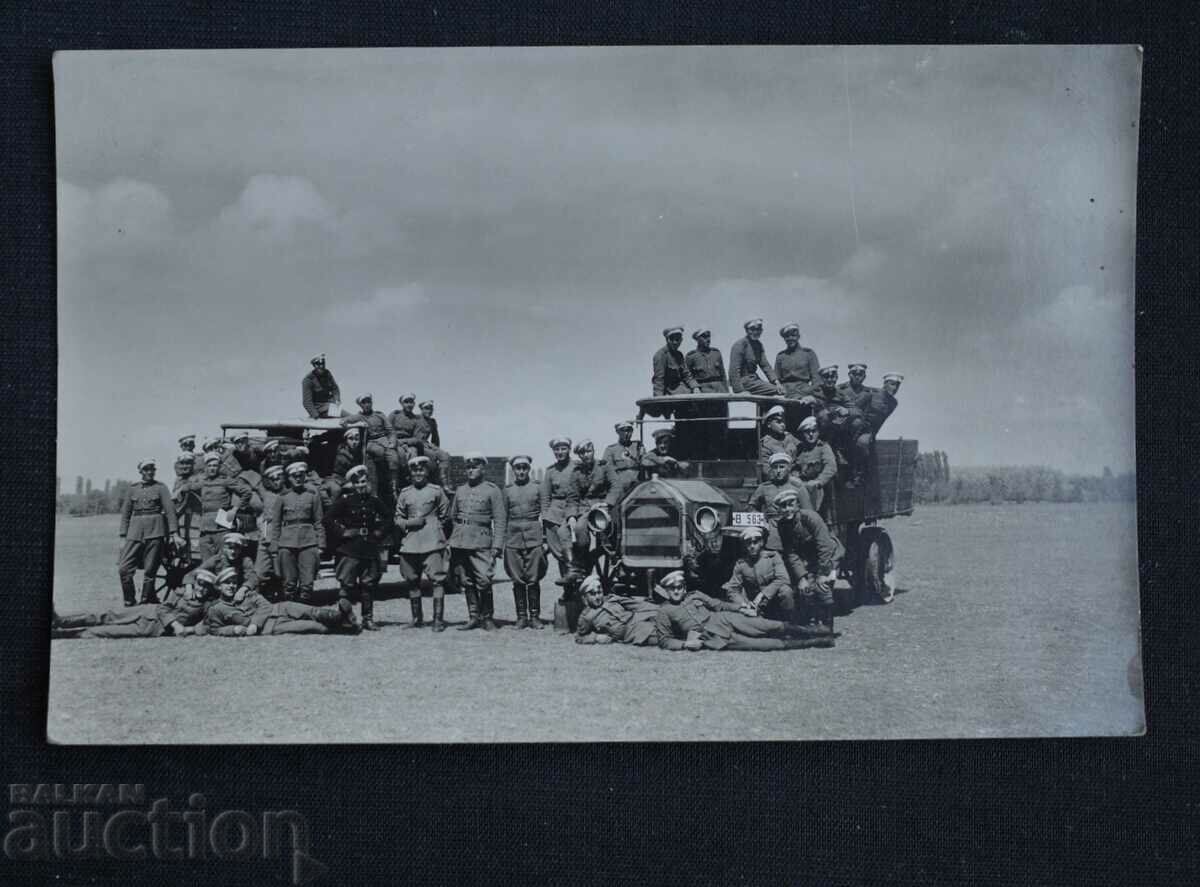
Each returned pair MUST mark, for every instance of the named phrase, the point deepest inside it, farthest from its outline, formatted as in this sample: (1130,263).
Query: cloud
(120,218)
(276,206)
(381,307)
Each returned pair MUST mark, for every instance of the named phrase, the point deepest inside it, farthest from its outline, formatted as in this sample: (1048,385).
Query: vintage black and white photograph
(589,394)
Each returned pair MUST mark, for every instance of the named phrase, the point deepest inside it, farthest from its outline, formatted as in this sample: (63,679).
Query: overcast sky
(507,231)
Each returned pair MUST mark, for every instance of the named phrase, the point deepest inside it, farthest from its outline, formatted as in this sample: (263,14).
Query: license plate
(749,519)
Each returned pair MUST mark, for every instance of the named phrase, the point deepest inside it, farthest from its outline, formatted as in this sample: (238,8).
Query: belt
(474,523)
(144,513)
(292,523)
(523,522)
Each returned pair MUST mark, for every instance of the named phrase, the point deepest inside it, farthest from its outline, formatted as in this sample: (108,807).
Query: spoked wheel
(176,564)
(878,562)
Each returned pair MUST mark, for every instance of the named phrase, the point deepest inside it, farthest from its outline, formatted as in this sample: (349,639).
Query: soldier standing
(422,510)
(382,448)
(266,561)
(560,504)
(187,447)
(875,407)
(480,519)
(298,533)
(187,503)
(362,524)
(524,556)
(814,464)
(811,554)
(217,493)
(230,467)
(746,358)
(763,498)
(248,457)
(147,523)
(622,462)
(319,392)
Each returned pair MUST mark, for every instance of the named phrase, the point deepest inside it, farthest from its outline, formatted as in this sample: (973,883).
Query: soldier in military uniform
(187,447)
(431,424)
(708,369)
(252,614)
(670,373)
(248,456)
(763,498)
(622,462)
(593,485)
(297,533)
(422,510)
(835,414)
(319,392)
(854,388)
(811,554)
(760,578)
(181,614)
(361,524)
(524,555)
(876,407)
(383,450)
(776,438)
(746,358)
(813,462)
(560,504)
(615,619)
(229,465)
(266,561)
(147,523)
(660,461)
(796,367)
(187,503)
(233,555)
(480,523)
(690,620)
(217,493)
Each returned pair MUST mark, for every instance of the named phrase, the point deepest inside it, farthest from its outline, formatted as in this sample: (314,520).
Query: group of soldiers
(265,515)
(847,415)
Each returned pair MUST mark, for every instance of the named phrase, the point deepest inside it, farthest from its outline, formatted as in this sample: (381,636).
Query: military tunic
(142,621)
(428,430)
(559,504)
(362,524)
(480,522)
(809,548)
(217,493)
(746,357)
(621,466)
(772,445)
(524,557)
(718,624)
(423,549)
(266,563)
(797,370)
(766,575)
(663,466)
(225,618)
(593,485)
(247,576)
(317,391)
(147,517)
(298,535)
(671,374)
(626,620)
(708,370)
(763,499)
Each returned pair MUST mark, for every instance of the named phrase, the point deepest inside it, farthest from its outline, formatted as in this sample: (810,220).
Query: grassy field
(1012,621)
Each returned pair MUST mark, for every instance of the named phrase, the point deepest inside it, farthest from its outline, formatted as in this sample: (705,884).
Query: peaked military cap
(211,457)
(851,367)
(624,423)
(317,358)
(241,435)
(674,579)
(663,432)
(418,460)
(185,458)
(672,331)
(808,422)
(426,403)
(780,459)
(893,377)
(233,539)
(147,463)
(827,370)
(520,460)
(366,396)
(776,410)
(560,441)
(583,445)
(700,333)
(186,438)
(297,468)
(754,532)
(356,472)
(271,445)
(590,584)
(789,328)
(787,496)
(408,397)
(274,471)
(204,577)
(753,321)
(227,575)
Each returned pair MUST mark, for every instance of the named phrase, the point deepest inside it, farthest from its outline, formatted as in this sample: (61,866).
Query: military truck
(692,522)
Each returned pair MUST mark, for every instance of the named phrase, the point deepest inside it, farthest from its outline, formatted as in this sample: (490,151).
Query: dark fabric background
(963,812)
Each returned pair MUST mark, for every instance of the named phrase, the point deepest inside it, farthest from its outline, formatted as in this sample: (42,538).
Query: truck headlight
(706,520)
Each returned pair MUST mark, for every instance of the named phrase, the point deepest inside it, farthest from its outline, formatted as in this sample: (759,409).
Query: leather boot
(486,609)
(128,592)
(330,617)
(418,612)
(825,618)
(67,621)
(473,620)
(148,594)
(346,611)
(439,613)
(368,611)
(533,599)
(796,630)
(521,602)
(806,643)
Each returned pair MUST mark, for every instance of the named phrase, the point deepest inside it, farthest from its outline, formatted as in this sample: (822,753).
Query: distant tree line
(936,483)
(91,500)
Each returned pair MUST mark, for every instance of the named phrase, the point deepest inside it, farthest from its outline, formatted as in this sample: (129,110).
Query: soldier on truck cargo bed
(695,621)
(814,463)
(776,438)
(854,388)
(382,449)
(875,406)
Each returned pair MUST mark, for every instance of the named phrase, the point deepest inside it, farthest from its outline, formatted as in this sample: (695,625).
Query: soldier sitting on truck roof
(875,407)
(746,358)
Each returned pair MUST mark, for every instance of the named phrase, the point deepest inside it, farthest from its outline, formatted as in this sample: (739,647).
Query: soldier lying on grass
(610,618)
(179,615)
(695,621)
(254,614)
